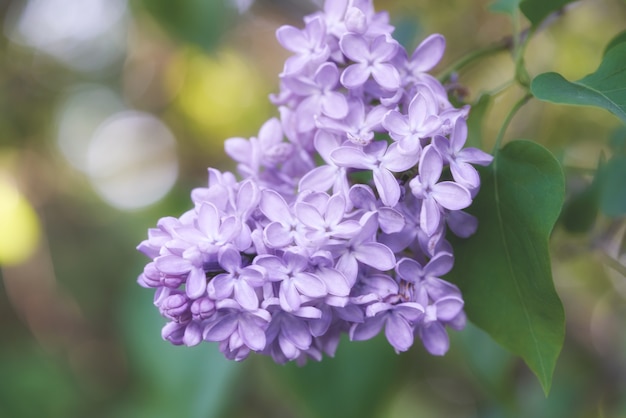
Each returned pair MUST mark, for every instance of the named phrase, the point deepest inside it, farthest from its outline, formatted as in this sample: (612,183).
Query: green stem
(507,121)
(468,58)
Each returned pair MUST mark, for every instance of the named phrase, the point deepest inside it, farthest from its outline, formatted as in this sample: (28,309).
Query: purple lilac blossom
(289,255)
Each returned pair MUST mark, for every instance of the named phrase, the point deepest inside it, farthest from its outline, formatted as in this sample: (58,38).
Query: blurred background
(110,113)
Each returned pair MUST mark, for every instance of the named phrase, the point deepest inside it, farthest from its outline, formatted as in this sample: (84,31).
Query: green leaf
(613,187)
(618,39)
(580,211)
(504,269)
(200,22)
(605,88)
(537,10)
(475,121)
(504,6)
(175,381)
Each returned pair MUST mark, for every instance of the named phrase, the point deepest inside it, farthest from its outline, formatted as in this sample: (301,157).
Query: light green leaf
(537,10)
(504,269)
(605,88)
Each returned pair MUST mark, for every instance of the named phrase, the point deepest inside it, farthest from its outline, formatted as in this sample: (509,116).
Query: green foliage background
(80,338)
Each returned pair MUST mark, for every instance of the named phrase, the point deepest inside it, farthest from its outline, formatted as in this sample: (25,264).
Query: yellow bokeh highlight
(19,225)
(223,94)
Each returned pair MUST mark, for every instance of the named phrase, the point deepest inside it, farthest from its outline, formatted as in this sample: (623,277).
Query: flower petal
(195,287)
(398,332)
(355,75)
(435,338)
(451,195)
(376,255)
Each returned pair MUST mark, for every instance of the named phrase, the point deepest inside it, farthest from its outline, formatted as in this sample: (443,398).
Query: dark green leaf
(504,269)
(605,88)
(580,211)
(354,384)
(537,10)
(613,197)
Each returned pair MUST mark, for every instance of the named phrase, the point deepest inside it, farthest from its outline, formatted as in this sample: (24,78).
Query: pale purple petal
(289,296)
(274,206)
(288,348)
(448,308)
(396,123)
(348,265)
(352,157)
(310,285)
(276,235)
(335,282)
(291,38)
(171,264)
(390,220)
(435,338)
(376,255)
(387,186)
(430,166)
(245,295)
(458,136)
(355,47)
(451,195)
(410,270)
(296,331)
(465,174)
(462,224)
(335,105)
(475,156)
(399,333)
(397,161)
(428,53)
(252,334)
(368,329)
(430,216)
(193,334)
(355,75)
(195,287)
(439,265)
(386,75)
(309,215)
(221,329)
(221,286)
(320,179)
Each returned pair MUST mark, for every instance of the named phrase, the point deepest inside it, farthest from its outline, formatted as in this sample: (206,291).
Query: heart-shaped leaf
(504,269)
(605,88)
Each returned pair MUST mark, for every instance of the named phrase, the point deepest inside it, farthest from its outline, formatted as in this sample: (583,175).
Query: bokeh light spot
(132,160)
(83,110)
(19,225)
(222,95)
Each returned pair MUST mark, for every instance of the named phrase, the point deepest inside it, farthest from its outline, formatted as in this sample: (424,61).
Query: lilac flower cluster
(338,221)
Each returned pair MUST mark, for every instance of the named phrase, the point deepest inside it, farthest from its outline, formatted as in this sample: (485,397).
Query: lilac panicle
(336,220)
